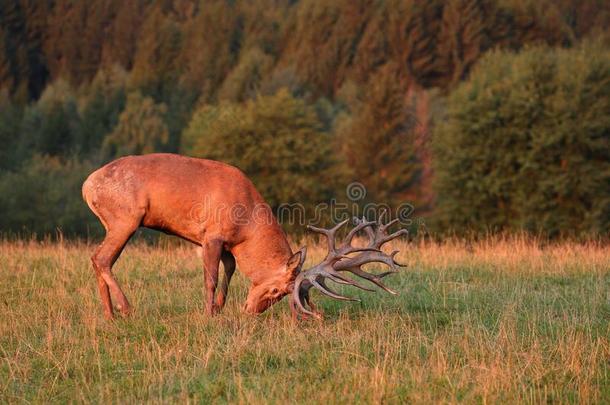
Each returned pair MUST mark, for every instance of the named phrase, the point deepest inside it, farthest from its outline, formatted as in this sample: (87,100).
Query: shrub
(526,144)
(44,196)
(140,129)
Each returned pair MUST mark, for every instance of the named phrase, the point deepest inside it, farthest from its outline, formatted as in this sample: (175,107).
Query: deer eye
(274,290)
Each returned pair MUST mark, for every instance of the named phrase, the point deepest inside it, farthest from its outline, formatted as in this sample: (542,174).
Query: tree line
(485,115)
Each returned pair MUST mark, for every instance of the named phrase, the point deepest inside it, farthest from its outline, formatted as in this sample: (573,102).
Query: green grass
(502,322)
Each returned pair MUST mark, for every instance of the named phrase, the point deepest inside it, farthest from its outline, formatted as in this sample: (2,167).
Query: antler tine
(335,254)
(389,224)
(360,225)
(329,233)
(337,260)
(339,279)
(381,236)
(393,236)
(321,285)
(393,257)
(347,247)
(369,230)
(377,238)
(374,278)
(369,257)
(300,293)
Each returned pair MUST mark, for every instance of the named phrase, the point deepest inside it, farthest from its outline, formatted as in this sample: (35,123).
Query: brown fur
(208,203)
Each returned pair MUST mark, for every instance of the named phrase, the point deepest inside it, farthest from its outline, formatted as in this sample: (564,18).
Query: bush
(44,197)
(526,144)
(51,126)
(140,129)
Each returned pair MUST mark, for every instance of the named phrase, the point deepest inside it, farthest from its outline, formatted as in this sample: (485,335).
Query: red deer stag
(214,205)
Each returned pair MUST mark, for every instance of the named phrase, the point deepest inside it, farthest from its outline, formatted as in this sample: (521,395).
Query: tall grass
(502,320)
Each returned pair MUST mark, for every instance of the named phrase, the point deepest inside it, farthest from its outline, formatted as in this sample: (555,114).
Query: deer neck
(264,254)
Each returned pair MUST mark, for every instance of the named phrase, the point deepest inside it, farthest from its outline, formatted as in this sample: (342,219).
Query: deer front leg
(228,263)
(212,251)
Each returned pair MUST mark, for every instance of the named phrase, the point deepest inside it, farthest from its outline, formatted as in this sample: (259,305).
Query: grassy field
(495,322)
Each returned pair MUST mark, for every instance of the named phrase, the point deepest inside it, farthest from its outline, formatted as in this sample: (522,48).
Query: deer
(214,205)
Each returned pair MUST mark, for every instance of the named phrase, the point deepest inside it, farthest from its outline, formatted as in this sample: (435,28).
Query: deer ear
(296,261)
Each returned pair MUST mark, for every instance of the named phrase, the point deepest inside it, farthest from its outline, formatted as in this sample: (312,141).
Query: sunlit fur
(194,199)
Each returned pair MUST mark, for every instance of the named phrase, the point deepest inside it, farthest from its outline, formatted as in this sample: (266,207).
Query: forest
(485,116)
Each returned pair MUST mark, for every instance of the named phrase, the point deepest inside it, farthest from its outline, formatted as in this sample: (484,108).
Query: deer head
(266,293)
(342,259)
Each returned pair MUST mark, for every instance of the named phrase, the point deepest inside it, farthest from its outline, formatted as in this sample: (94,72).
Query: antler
(338,260)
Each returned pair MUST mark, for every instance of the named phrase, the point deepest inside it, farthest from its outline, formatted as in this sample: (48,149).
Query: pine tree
(99,109)
(323,39)
(126,23)
(533,21)
(245,79)
(10,126)
(412,39)
(378,140)
(400,32)
(463,37)
(23,27)
(75,39)
(212,42)
(6,76)
(156,64)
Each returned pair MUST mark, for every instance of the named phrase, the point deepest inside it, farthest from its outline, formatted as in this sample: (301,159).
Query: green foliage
(377,140)
(76,31)
(244,81)
(10,121)
(526,144)
(140,128)
(212,42)
(351,70)
(23,67)
(325,35)
(276,140)
(198,44)
(100,108)
(156,63)
(121,37)
(463,36)
(44,196)
(52,125)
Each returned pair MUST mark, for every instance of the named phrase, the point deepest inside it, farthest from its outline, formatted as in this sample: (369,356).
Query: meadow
(502,320)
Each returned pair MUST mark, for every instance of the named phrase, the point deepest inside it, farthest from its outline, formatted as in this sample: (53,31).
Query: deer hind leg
(103,259)
(228,263)
(212,251)
(104,291)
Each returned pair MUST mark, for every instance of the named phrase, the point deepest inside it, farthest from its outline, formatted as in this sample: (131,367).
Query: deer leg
(228,263)
(103,259)
(103,287)
(212,251)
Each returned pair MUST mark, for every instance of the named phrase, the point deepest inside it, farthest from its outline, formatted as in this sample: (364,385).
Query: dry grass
(503,320)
